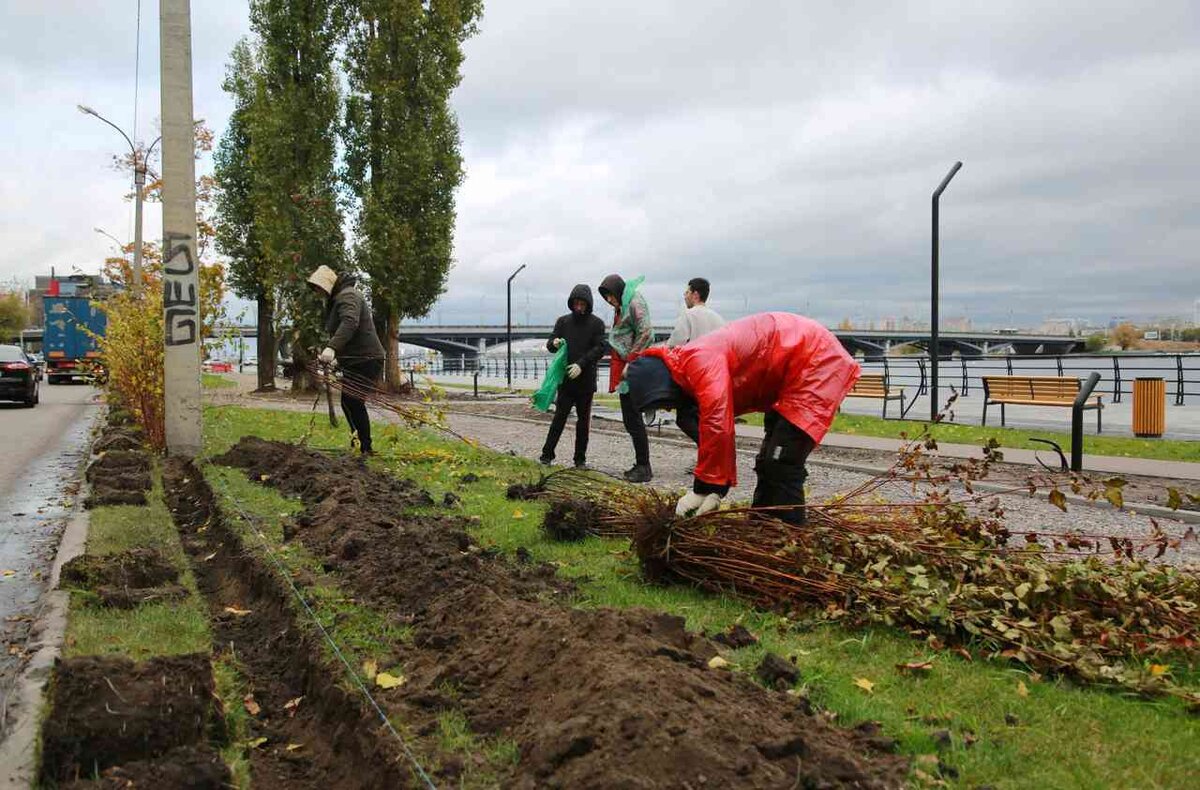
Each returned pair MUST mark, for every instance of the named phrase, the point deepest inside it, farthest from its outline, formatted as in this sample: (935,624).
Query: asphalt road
(41,450)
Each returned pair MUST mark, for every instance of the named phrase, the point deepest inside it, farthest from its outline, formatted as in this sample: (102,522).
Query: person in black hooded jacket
(353,345)
(583,334)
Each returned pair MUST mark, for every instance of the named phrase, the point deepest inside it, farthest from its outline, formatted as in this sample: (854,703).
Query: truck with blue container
(69,343)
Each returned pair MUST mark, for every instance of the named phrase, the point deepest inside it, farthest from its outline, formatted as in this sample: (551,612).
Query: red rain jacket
(778,361)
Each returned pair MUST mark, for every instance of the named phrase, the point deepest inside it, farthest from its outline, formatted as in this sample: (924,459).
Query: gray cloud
(785,150)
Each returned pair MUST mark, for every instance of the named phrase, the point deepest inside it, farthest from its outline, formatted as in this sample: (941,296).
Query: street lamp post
(933,319)
(139,183)
(508,325)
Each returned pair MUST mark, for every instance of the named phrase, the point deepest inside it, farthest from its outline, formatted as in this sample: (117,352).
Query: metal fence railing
(1180,371)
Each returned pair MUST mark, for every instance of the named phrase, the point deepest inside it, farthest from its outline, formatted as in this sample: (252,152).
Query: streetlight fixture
(508,325)
(139,183)
(933,322)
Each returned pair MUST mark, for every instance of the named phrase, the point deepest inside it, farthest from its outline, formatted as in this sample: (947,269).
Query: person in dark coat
(353,345)
(583,334)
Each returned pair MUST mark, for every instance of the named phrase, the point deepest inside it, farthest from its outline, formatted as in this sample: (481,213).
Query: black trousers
(687,418)
(360,374)
(780,466)
(582,403)
(636,428)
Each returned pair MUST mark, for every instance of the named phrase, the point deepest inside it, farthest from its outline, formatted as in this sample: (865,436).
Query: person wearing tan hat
(353,344)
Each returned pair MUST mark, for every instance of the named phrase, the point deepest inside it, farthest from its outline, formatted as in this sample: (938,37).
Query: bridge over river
(469,341)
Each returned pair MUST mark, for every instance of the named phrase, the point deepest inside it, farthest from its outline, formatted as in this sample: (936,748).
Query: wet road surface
(41,450)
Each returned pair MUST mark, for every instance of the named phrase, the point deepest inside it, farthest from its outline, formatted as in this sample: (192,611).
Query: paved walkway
(1108,464)
(1104,464)
(1183,422)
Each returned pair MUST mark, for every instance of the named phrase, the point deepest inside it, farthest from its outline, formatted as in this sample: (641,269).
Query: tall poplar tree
(403,162)
(293,138)
(250,272)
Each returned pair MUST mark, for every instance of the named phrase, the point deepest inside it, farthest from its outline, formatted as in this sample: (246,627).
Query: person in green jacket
(631,334)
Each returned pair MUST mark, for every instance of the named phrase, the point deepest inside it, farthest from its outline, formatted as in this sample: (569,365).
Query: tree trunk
(391,347)
(266,343)
(303,382)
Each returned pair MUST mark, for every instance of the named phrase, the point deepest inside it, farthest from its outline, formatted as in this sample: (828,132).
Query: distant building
(956,324)
(1062,326)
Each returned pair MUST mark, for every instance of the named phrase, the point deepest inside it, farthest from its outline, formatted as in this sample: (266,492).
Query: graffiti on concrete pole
(179,292)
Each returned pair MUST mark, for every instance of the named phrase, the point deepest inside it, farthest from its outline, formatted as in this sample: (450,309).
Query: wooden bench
(1034,391)
(875,385)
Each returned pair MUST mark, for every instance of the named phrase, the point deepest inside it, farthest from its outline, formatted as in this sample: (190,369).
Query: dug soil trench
(592,698)
(315,734)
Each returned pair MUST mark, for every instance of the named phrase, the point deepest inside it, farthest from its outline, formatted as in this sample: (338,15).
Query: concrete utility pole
(181,305)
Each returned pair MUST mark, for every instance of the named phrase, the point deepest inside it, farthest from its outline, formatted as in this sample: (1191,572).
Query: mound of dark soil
(128,438)
(624,698)
(736,637)
(136,568)
(118,476)
(119,462)
(777,672)
(119,489)
(184,768)
(523,491)
(357,520)
(107,711)
(571,519)
(597,698)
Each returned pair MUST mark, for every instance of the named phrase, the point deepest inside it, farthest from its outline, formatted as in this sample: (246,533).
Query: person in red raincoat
(789,367)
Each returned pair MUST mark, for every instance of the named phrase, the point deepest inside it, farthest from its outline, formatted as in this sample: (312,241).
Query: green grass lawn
(155,629)
(215,381)
(1008,727)
(1019,438)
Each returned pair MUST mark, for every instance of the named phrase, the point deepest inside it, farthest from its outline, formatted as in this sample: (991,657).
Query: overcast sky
(785,150)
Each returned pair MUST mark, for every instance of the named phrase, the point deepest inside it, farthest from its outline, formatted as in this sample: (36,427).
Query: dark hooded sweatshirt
(585,340)
(349,324)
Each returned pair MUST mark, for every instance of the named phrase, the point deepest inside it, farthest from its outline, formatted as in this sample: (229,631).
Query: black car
(18,376)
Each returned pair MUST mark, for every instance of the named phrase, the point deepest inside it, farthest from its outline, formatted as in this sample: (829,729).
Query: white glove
(327,356)
(573,371)
(556,342)
(701,503)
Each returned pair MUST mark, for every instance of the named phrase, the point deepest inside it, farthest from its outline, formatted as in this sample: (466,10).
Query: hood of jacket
(612,284)
(581,291)
(344,280)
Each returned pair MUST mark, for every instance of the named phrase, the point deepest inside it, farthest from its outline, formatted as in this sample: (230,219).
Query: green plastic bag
(554,376)
(630,289)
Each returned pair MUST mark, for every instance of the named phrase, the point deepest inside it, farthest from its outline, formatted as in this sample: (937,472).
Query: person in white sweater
(698,319)
(695,322)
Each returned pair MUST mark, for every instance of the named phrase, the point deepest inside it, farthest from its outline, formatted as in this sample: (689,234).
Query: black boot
(639,473)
